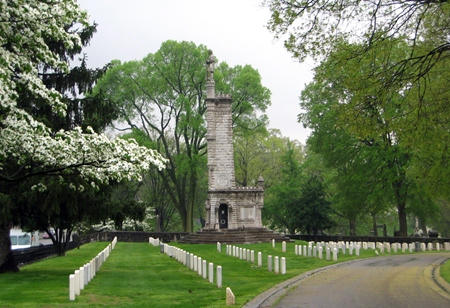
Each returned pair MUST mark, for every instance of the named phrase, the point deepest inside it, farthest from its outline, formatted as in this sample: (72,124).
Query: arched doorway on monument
(223,216)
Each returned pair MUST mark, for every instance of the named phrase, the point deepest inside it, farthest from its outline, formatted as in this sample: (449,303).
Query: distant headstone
(283,266)
(211,272)
(277,265)
(219,276)
(204,272)
(199,266)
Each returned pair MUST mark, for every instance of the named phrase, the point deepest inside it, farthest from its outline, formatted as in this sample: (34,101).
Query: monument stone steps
(234,236)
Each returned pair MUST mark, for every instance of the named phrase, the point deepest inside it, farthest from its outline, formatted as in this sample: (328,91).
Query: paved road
(391,281)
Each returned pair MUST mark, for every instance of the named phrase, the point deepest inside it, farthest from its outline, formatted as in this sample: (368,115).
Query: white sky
(233,29)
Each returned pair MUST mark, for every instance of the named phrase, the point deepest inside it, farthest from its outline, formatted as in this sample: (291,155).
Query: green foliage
(362,132)
(163,95)
(314,208)
(282,204)
(390,92)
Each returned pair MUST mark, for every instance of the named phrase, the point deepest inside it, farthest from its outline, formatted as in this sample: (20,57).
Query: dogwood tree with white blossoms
(24,24)
(27,146)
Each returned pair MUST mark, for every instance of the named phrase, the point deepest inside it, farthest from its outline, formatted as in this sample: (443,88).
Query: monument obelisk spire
(210,84)
(227,206)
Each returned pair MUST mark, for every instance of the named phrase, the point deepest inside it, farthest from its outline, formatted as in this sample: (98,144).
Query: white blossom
(23,26)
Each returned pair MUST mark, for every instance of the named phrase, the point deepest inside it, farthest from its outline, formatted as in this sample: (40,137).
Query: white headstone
(204,269)
(77,282)
(283,246)
(277,265)
(219,276)
(231,300)
(72,287)
(211,272)
(259,259)
(269,263)
(81,278)
(199,266)
(283,265)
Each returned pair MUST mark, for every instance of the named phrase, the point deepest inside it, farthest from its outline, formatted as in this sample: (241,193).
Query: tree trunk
(400,197)
(183,218)
(7,263)
(352,226)
(401,208)
(374,225)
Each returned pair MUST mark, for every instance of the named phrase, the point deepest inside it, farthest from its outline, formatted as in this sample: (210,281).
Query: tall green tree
(282,202)
(164,96)
(314,210)
(420,72)
(358,126)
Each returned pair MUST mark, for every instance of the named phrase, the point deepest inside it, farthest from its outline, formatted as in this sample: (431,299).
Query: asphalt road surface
(393,281)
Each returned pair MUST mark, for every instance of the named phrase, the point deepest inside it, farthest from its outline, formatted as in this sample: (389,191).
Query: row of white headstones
(278,265)
(312,250)
(86,273)
(195,263)
(82,276)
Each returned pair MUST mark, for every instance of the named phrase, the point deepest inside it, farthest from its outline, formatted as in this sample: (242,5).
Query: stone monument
(227,206)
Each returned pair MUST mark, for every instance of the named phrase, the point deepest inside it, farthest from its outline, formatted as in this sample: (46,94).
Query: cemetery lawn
(445,271)
(138,275)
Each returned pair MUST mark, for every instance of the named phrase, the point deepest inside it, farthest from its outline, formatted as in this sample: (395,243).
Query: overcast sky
(233,29)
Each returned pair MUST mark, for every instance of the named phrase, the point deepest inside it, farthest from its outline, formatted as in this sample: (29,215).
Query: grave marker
(219,276)
(231,300)
(211,272)
(277,265)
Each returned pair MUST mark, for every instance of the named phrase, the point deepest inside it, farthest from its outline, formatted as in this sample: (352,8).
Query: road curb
(269,297)
(432,276)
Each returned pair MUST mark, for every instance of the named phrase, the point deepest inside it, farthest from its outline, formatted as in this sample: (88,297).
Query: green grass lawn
(138,275)
(445,271)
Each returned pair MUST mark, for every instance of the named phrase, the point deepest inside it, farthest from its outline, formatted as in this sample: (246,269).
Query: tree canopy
(29,148)
(164,96)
